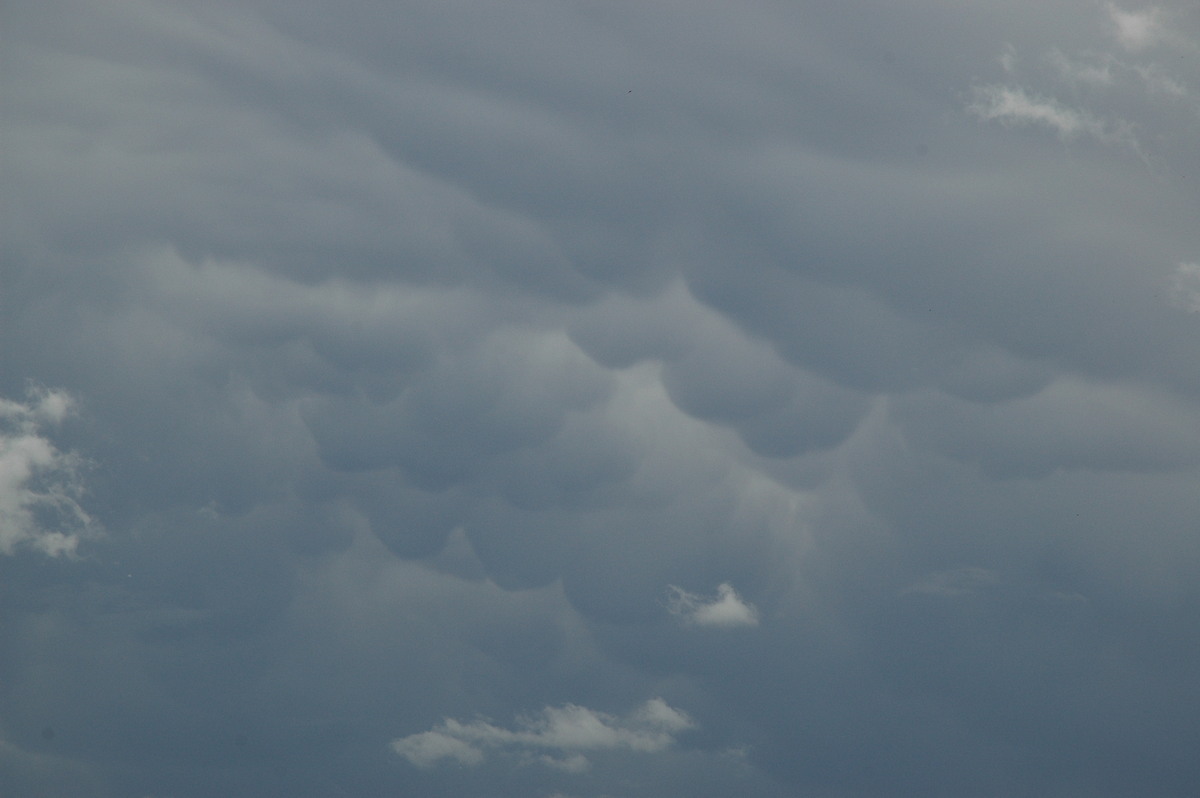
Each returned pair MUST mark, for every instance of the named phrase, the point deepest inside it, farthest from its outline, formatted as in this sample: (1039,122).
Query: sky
(531,399)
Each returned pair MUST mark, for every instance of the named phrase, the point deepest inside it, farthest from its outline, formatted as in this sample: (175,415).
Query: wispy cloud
(1097,72)
(1158,81)
(1135,30)
(1106,71)
(961,581)
(1012,105)
(726,610)
(1185,287)
(39,485)
(1008,59)
(557,737)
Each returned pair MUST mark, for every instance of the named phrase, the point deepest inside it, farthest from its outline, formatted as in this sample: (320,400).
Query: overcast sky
(535,399)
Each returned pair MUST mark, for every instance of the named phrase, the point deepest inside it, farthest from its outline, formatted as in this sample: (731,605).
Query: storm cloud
(572,399)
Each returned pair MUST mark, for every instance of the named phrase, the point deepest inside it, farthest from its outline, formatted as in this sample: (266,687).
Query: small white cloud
(1135,30)
(1011,105)
(576,763)
(39,485)
(1185,287)
(725,611)
(565,732)
(658,714)
(429,748)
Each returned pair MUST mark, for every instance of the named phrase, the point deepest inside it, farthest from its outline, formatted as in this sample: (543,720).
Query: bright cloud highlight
(556,737)
(39,485)
(726,611)
(1014,106)
(1135,30)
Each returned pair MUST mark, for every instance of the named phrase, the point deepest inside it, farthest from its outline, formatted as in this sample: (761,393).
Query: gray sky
(541,399)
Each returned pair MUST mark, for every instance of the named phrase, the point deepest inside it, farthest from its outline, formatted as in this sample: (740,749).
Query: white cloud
(557,735)
(576,763)
(428,748)
(1135,30)
(726,610)
(1014,106)
(39,485)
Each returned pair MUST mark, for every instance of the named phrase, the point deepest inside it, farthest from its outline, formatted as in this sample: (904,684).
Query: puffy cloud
(726,610)
(566,731)
(427,749)
(40,486)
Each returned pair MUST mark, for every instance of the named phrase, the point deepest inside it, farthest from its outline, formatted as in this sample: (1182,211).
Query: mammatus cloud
(39,485)
(476,327)
(725,611)
(556,737)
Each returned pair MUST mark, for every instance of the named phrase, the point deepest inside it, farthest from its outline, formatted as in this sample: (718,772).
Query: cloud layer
(828,371)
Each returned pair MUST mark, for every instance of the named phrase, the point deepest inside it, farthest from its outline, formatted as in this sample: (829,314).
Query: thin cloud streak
(1011,105)
(568,730)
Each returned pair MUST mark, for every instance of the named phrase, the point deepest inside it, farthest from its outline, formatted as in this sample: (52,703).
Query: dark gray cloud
(541,399)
